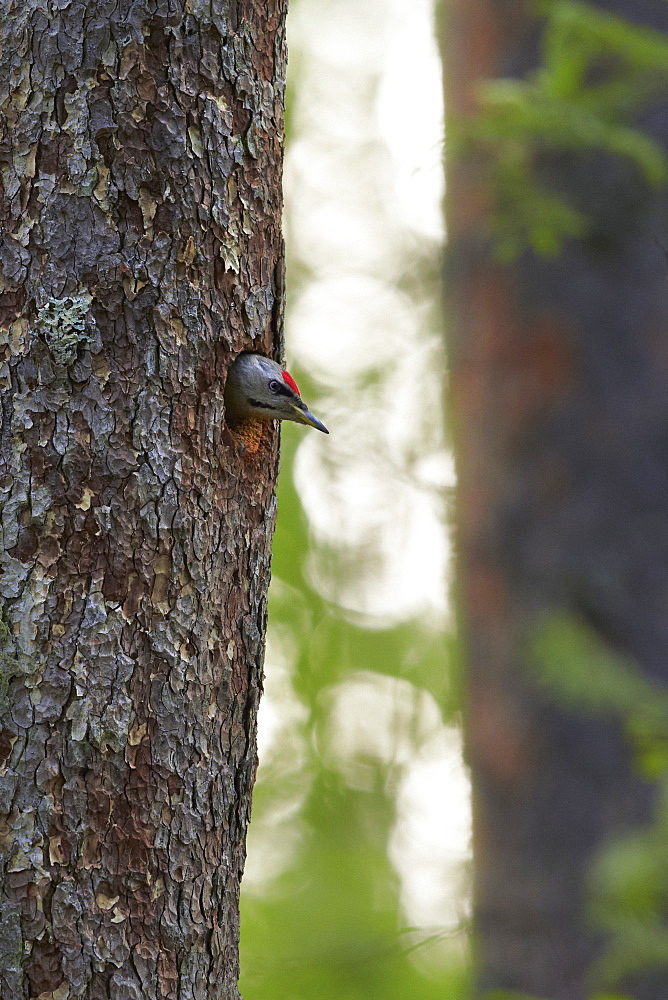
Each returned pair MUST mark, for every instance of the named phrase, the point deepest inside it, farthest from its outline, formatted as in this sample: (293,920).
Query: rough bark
(559,386)
(140,160)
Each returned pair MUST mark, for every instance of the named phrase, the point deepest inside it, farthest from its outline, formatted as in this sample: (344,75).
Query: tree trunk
(560,395)
(141,152)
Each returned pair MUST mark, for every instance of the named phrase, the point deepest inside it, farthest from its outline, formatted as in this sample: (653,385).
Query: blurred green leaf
(638,946)
(610,996)
(332,926)
(573,661)
(598,71)
(629,877)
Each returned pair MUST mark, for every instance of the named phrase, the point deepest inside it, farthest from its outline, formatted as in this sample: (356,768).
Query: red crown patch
(288,379)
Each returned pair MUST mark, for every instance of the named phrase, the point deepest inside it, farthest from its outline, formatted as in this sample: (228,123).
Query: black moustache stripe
(261,406)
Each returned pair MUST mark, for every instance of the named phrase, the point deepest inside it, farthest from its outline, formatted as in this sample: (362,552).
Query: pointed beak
(304,416)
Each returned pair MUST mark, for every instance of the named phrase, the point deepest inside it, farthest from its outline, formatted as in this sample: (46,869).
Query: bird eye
(274,385)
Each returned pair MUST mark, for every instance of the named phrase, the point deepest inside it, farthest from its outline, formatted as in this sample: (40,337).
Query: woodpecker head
(257,388)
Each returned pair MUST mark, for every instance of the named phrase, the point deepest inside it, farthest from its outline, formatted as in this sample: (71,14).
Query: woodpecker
(258,389)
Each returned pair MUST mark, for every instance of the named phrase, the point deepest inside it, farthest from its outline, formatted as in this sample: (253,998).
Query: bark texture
(140,204)
(560,394)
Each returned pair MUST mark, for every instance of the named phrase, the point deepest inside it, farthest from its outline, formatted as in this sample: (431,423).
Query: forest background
(358,881)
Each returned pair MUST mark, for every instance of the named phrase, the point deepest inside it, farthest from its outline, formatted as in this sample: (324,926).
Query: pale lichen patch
(66,324)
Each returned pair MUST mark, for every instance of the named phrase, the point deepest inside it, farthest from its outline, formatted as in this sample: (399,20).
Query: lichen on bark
(140,204)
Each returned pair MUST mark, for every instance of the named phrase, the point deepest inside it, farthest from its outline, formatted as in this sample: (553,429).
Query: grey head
(258,388)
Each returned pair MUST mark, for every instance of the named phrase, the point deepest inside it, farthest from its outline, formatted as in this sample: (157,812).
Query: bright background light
(364,229)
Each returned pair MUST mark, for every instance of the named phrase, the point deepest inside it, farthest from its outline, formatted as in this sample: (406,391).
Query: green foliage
(584,673)
(630,898)
(329,920)
(330,923)
(574,661)
(331,926)
(629,877)
(597,72)
(610,996)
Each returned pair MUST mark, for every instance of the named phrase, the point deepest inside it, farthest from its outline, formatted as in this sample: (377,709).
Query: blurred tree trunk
(140,159)
(559,389)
